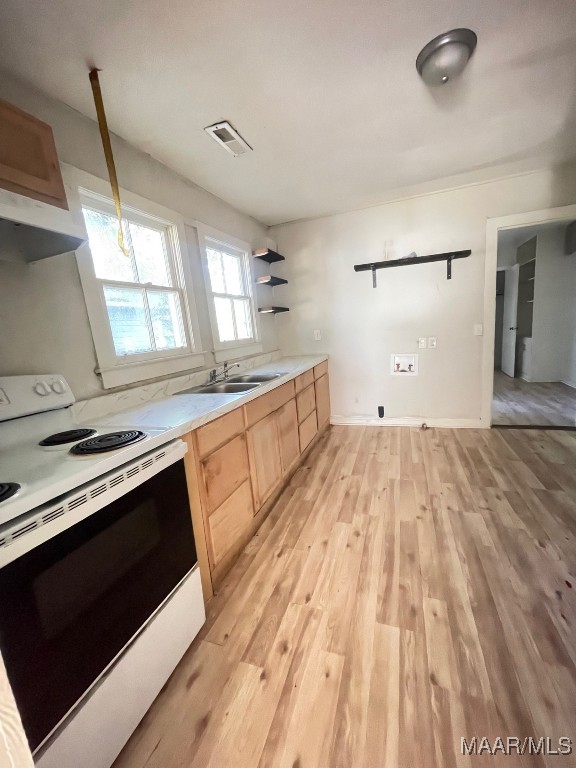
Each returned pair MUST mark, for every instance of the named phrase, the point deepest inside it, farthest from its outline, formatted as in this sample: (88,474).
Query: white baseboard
(571,384)
(409,421)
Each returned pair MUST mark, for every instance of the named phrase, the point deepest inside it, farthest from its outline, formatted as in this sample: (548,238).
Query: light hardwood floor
(409,588)
(519,402)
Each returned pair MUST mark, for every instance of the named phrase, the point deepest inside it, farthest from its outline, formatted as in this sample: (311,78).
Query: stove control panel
(24,395)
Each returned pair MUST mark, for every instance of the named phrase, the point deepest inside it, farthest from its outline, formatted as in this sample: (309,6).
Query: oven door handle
(34,528)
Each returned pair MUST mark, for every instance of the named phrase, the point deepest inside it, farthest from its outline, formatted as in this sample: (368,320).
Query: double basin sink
(235,385)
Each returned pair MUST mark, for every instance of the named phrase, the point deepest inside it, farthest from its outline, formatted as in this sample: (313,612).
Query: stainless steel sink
(222,388)
(257,377)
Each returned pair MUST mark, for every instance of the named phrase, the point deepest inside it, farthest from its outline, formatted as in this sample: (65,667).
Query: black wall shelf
(267,255)
(271,280)
(447,257)
(272,310)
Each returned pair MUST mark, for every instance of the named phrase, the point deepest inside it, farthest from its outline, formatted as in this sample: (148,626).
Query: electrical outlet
(317,335)
(422,342)
(432,342)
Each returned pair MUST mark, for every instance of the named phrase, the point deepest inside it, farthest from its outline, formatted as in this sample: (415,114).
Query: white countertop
(182,413)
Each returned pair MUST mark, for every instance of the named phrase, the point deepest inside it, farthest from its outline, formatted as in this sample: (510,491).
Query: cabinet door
(288,435)
(229,523)
(322,400)
(308,429)
(264,453)
(28,161)
(223,471)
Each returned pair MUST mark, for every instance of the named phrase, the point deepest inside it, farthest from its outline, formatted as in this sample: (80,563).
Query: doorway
(534,372)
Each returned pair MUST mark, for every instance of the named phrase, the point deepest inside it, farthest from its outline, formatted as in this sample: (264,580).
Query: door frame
(493,226)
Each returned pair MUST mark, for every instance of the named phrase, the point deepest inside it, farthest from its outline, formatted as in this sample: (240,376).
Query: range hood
(31,230)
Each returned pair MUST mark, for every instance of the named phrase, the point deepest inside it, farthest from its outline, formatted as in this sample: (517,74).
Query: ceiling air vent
(228,138)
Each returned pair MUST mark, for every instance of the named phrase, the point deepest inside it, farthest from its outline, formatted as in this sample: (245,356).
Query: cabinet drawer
(304,380)
(308,429)
(321,369)
(305,403)
(262,406)
(227,523)
(219,431)
(224,470)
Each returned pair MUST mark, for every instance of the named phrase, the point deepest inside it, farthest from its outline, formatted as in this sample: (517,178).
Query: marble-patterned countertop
(182,413)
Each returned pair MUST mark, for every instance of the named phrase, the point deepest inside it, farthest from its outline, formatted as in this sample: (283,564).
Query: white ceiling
(326,91)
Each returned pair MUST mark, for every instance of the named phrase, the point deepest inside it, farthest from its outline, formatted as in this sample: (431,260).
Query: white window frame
(120,370)
(229,350)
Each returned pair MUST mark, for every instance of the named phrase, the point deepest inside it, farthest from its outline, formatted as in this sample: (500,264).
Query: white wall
(554,325)
(43,319)
(362,326)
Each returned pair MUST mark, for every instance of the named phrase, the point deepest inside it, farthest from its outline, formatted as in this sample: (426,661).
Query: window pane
(215,270)
(243,319)
(232,274)
(166,317)
(224,318)
(150,253)
(127,320)
(109,261)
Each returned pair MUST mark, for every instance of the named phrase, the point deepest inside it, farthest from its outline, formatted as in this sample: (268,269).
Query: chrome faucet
(214,378)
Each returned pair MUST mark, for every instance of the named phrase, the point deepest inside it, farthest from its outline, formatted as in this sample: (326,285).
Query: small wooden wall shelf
(272,310)
(271,280)
(267,255)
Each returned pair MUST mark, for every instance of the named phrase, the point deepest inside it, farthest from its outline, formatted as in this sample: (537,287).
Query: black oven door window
(68,607)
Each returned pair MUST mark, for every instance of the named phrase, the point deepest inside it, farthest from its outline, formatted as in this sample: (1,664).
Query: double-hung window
(231,304)
(137,301)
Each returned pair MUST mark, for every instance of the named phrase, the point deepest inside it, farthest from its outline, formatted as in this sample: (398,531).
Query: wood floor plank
(541,404)
(409,588)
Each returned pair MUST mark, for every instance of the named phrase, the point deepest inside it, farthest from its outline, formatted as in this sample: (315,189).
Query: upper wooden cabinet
(28,160)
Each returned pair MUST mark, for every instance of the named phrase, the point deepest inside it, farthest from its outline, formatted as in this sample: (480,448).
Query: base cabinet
(265,462)
(227,523)
(237,462)
(322,400)
(287,421)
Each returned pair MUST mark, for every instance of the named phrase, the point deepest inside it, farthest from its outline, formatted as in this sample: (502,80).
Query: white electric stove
(101,593)
(34,408)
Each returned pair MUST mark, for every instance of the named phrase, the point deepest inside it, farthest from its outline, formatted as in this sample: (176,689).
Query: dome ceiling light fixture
(445,57)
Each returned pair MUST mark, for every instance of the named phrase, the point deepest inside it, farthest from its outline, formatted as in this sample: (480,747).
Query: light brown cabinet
(305,402)
(28,160)
(265,462)
(237,463)
(228,523)
(287,422)
(308,429)
(322,400)
(224,470)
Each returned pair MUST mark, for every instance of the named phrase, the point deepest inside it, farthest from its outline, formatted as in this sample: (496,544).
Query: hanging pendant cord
(105,135)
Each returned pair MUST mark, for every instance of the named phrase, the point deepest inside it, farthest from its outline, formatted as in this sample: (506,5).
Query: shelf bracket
(374,280)
(449,268)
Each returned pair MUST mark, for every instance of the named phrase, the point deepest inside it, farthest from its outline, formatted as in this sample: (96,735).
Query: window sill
(142,370)
(233,353)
